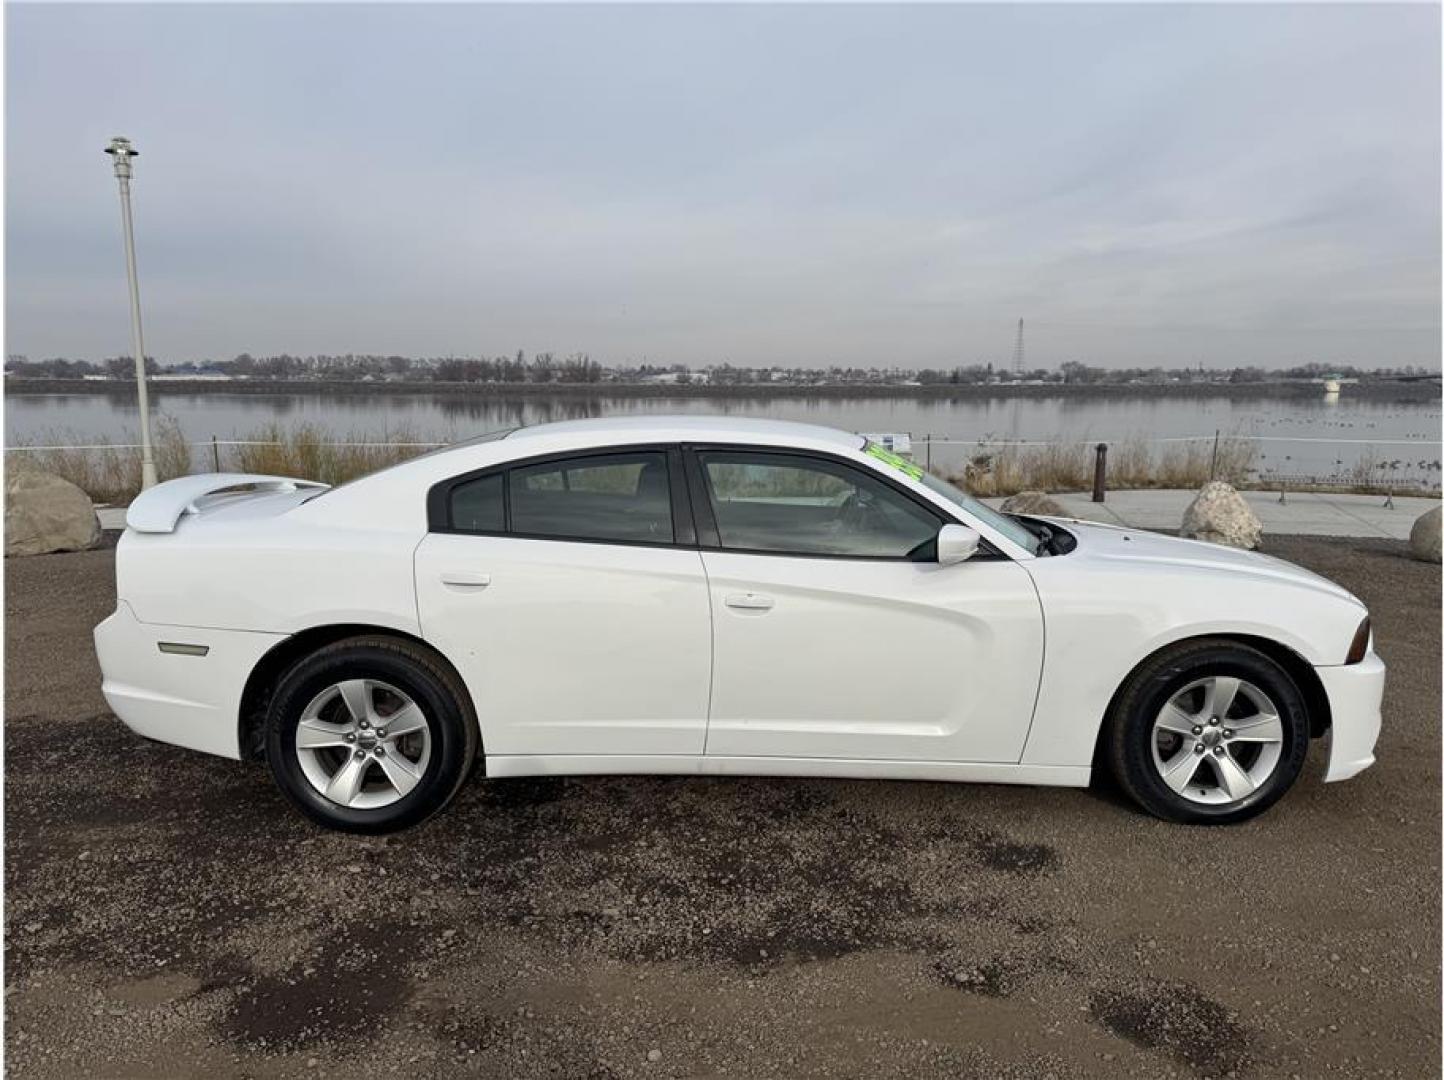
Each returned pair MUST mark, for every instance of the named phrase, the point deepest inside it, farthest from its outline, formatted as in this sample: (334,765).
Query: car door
(570,594)
(836,634)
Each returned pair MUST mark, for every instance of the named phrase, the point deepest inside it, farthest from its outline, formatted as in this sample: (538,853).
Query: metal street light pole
(121,152)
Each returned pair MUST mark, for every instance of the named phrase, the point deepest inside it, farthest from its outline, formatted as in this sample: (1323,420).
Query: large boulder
(1219,515)
(44,513)
(1035,504)
(1424,537)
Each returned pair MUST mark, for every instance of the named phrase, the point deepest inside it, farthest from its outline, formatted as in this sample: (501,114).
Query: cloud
(1144,184)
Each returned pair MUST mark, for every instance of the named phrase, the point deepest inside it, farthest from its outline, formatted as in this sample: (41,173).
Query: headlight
(1360,644)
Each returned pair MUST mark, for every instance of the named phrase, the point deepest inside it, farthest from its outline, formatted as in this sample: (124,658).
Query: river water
(1320,436)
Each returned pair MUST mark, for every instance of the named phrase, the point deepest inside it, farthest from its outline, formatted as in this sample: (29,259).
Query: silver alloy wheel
(363,743)
(1217,740)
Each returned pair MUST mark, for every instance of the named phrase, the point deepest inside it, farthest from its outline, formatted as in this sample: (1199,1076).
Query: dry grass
(110,474)
(1057,467)
(313,452)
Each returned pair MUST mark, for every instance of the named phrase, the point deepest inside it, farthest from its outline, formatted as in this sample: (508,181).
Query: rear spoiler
(159,509)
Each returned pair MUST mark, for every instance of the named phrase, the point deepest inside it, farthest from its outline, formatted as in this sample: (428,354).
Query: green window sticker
(901,464)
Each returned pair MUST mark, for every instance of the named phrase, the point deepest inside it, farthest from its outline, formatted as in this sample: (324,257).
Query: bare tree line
(581,369)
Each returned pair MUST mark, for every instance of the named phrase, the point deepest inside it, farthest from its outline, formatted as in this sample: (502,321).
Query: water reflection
(966,419)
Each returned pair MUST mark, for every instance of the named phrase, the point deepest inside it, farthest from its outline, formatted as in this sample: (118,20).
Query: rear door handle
(749,601)
(467,579)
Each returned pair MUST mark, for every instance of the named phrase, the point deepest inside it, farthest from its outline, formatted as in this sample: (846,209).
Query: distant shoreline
(1371,391)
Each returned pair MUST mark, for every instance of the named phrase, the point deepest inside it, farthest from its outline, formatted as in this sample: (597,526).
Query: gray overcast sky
(871,185)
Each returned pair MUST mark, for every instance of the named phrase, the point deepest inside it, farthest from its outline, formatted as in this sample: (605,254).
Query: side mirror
(957,543)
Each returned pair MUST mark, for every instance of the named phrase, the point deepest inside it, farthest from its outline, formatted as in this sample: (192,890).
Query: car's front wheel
(1211,732)
(369,735)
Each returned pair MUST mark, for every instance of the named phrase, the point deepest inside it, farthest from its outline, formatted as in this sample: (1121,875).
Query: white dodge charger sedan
(712,596)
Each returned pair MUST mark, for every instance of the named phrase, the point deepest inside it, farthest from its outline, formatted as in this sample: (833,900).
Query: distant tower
(1018,351)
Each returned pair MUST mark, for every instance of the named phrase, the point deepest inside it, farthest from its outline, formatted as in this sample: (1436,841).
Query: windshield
(1014,531)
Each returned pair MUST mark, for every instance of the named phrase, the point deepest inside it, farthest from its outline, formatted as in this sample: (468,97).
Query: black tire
(1130,738)
(413,670)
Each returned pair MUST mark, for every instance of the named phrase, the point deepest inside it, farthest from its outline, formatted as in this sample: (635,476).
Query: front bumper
(1355,693)
(178,697)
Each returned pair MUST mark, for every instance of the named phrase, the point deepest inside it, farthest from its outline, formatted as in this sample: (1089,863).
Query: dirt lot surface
(167,914)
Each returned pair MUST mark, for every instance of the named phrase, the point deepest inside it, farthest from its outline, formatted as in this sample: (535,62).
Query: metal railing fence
(927,440)
(922,448)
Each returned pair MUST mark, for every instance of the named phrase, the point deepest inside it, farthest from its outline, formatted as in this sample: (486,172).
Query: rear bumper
(180,697)
(1355,692)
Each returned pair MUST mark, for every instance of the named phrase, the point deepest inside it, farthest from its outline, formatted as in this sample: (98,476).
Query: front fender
(1102,619)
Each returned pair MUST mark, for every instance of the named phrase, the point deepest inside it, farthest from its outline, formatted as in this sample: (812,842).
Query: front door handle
(749,601)
(467,579)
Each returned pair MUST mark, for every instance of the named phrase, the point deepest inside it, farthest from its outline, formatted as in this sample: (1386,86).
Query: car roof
(497,447)
(686,428)
(402,490)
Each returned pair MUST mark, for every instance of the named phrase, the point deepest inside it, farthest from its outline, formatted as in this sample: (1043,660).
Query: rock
(1424,537)
(1035,504)
(1219,515)
(654,1055)
(45,513)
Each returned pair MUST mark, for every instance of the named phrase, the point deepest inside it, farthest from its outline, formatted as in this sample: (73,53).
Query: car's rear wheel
(369,735)
(1211,732)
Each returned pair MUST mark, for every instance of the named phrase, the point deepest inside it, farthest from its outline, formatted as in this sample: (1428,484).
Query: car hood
(1138,547)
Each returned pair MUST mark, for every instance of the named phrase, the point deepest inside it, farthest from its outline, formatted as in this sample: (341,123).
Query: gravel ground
(167,914)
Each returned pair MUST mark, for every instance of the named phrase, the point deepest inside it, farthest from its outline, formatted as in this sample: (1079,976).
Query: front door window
(797,505)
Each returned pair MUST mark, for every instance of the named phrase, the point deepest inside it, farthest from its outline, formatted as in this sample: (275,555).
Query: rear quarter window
(478,505)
